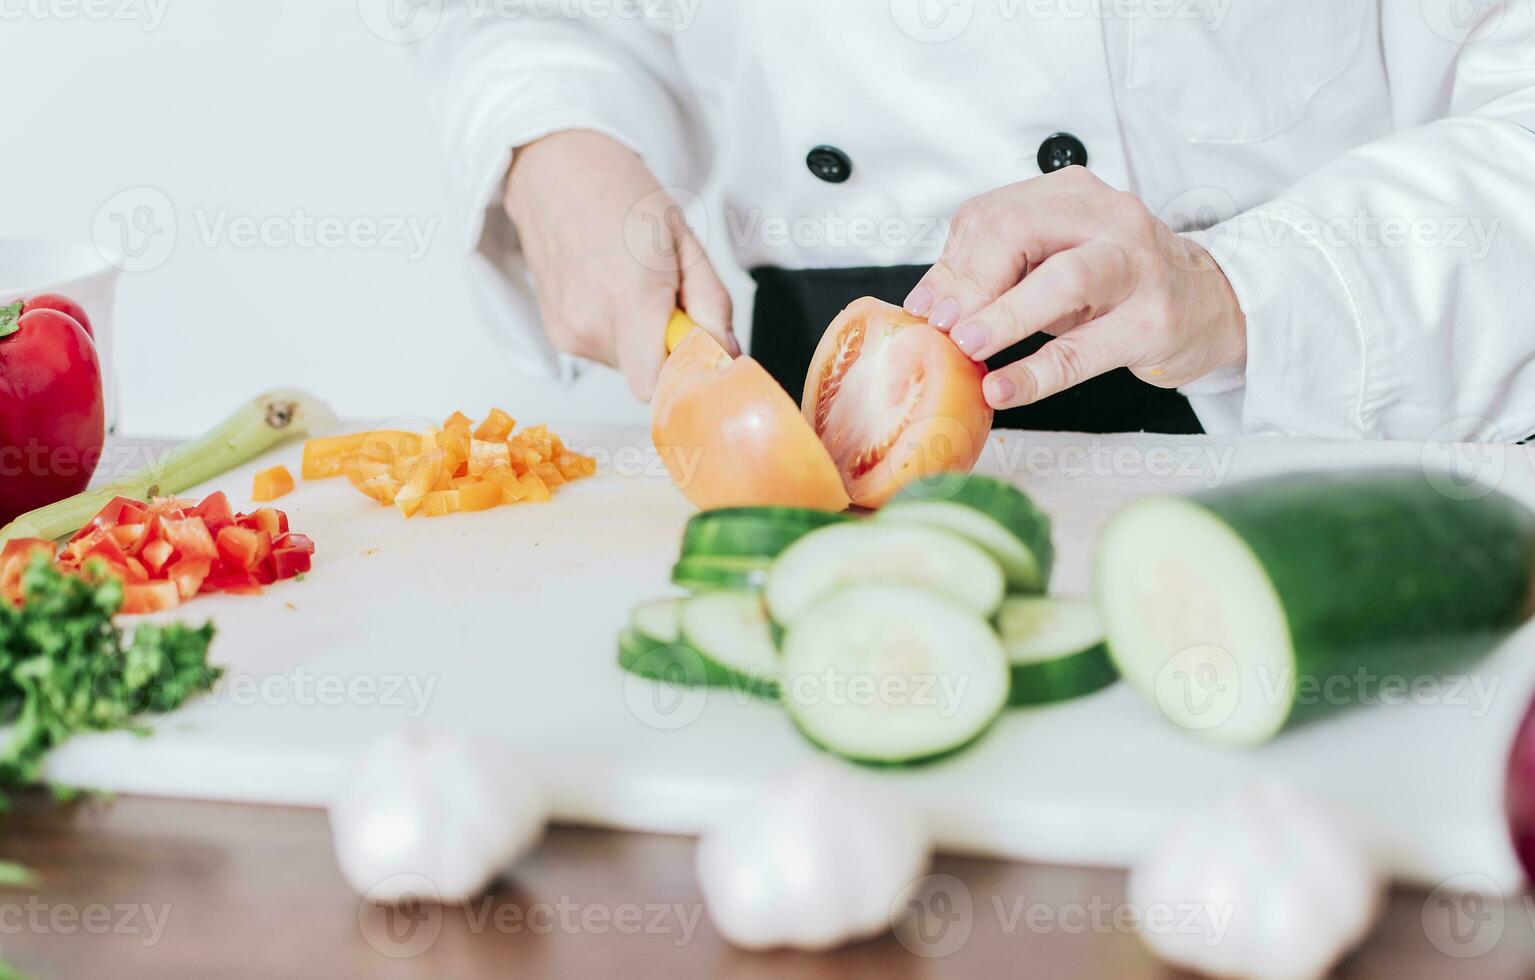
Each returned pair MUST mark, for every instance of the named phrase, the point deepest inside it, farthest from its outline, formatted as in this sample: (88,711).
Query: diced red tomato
(149,597)
(190,537)
(296,542)
(13,562)
(129,537)
(244,547)
(289,562)
(215,512)
(105,547)
(188,574)
(271,520)
(169,550)
(155,554)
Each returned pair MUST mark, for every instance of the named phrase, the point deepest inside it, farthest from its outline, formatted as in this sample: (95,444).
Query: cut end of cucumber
(993,514)
(888,674)
(1193,621)
(877,552)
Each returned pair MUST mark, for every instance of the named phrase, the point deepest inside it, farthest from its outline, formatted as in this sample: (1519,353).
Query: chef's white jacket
(1363,170)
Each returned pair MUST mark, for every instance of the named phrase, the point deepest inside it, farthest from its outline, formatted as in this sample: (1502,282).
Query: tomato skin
(942,420)
(64,305)
(731,437)
(52,415)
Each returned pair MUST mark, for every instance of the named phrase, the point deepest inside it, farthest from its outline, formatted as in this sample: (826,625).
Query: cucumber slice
(731,629)
(882,553)
(659,622)
(709,574)
(656,645)
(1245,611)
(992,513)
(670,663)
(893,674)
(1056,649)
(750,532)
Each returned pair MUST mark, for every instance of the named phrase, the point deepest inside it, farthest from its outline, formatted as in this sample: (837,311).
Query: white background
(254,110)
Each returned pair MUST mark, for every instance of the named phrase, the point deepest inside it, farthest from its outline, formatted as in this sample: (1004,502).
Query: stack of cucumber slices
(898,638)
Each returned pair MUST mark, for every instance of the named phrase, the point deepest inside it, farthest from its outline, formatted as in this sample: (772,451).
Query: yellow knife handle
(677,328)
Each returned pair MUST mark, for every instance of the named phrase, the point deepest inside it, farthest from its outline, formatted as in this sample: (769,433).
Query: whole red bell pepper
(52,418)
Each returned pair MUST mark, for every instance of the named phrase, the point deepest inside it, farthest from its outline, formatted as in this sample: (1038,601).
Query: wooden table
(153,888)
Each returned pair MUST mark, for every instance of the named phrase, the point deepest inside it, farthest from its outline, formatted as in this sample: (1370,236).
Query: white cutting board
(506,621)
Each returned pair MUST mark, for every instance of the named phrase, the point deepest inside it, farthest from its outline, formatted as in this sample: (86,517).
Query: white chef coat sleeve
(503,82)
(1387,293)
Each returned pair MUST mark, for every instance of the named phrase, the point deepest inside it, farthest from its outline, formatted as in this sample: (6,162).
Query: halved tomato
(894,401)
(731,437)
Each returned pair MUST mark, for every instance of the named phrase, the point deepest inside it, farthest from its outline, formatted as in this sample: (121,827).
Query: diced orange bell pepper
(382,488)
(484,456)
(441,503)
(512,490)
(271,484)
(574,466)
(538,491)
(496,427)
(326,458)
(550,475)
(479,495)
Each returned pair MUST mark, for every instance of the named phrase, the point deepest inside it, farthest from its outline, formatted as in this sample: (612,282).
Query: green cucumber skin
(1062,679)
(782,516)
(742,537)
(700,574)
(991,496)
(1380,571)
(680,664)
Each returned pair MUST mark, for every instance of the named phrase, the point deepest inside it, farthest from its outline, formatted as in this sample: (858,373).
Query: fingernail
(735,344)
(919,302)
(1000,390)
(943,318)
(969,337)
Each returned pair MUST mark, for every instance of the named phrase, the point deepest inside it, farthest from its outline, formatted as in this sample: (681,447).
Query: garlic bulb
(818,860)
(437,810)
(1266,885)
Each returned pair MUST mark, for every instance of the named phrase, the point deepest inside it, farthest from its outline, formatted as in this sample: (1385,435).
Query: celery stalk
(254,428)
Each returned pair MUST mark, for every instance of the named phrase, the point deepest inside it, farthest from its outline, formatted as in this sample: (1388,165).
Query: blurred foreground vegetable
(66,669)
(250,431)
(1248,609)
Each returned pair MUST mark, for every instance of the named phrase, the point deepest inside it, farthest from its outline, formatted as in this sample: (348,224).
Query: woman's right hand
(611,254)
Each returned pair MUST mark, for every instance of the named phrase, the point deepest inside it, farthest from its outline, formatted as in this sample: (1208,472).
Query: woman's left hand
(1067,255)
